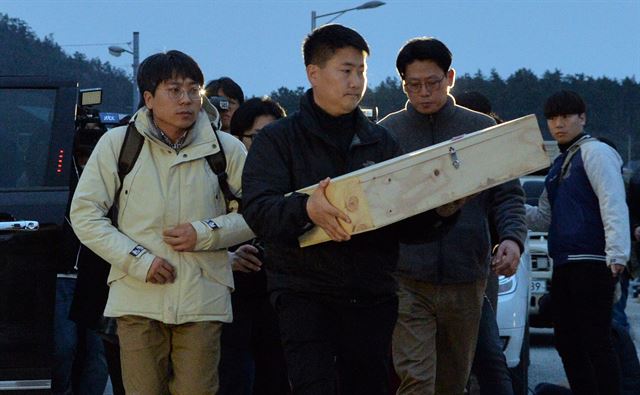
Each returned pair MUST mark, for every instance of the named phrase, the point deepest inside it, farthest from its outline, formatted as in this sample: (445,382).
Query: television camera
(90,123)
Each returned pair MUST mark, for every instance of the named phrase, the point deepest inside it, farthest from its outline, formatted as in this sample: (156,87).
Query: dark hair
(246,114)
(164,66)
(564,103)
(321,44)
(423,48)
(476,101)
(230,88)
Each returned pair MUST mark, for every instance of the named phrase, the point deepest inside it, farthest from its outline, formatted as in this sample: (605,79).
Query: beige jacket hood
(163,189)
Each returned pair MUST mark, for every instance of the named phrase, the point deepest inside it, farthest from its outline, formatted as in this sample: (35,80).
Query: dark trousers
(79,358)
(629,367)
(489,363)
(112,352)
(349,340)
(582,299)
(251,357)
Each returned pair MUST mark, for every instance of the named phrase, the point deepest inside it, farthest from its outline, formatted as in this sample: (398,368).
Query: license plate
(538,286)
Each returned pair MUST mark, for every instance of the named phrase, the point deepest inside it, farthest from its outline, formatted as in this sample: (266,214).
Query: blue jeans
(619,316)
(79,364)
(489,363)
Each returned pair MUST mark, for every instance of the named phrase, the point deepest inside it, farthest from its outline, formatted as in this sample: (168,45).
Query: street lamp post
(117,51)
(365,6)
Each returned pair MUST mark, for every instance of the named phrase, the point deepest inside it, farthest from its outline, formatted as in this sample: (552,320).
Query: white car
(541,271)
(541,265)
(513,321)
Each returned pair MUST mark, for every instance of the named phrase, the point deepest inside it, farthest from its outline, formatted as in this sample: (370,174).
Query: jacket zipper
(439,266)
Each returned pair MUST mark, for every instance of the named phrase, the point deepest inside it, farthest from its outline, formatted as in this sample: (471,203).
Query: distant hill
(23,53)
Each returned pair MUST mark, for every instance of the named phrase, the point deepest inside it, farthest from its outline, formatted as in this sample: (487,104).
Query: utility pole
(136,64)
(135,46)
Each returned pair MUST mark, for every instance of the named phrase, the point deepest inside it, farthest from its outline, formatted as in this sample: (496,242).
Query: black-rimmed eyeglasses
(416,86)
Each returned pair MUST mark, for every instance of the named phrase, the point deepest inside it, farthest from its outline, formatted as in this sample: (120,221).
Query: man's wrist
(515,240)
(307,223)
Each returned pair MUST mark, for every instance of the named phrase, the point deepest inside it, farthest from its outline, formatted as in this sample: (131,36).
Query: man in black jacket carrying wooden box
(336,301)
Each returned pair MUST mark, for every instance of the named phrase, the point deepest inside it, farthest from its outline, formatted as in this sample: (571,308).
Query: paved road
(545,362)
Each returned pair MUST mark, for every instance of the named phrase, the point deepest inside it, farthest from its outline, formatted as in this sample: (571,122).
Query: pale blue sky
(258,42)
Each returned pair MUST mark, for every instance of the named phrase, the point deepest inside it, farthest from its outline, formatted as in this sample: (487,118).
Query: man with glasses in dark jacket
(442,283)
(336,301)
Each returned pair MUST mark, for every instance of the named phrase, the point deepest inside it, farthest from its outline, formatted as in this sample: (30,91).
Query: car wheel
(520,373)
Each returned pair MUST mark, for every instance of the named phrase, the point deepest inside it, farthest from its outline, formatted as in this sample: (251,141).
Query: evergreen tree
(288,99)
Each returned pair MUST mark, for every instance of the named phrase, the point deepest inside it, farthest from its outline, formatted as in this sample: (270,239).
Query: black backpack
(90,296)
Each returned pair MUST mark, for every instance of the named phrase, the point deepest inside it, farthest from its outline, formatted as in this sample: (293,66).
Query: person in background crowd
(251,357)
(256,113)
(90,298)
(226,88)
(584,210)
(633,268)
(79,364)
(489,363)
(442,283)
(335,301)
(634,204)
(170,281)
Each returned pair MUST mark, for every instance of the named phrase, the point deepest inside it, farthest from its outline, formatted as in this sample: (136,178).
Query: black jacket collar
(364,132)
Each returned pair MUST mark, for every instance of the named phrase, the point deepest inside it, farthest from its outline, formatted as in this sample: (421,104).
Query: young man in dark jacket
(584,210)
(442,283)
(336,301)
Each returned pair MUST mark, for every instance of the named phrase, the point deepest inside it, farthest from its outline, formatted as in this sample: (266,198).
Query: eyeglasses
(416,86)
(175,93)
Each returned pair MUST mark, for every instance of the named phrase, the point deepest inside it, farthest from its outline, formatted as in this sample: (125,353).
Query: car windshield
(28,159)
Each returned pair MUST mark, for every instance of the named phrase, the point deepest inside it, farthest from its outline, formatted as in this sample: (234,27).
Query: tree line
(613,106)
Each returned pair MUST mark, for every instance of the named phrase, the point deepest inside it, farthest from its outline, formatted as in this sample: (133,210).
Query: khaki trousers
(435,336)
(160,358)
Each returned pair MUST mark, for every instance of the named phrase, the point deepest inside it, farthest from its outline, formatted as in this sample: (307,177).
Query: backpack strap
(131,147)
(571,152)
(218,163)
(129,152)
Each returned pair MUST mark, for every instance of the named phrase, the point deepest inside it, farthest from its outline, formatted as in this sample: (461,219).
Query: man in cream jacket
(170,280)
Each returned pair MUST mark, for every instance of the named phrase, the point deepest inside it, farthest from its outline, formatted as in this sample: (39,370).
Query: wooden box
(399,188)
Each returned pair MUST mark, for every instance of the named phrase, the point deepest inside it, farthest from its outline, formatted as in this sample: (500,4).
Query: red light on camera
(60,161)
